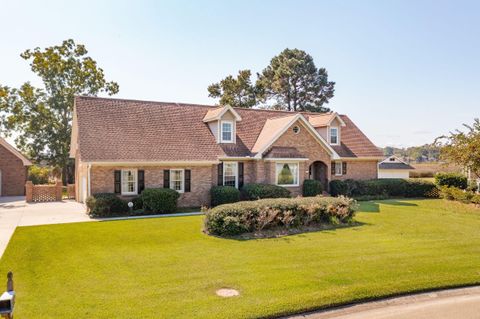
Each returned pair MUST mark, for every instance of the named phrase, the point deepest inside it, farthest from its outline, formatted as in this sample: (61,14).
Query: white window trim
(330,137)
(341,168)
(236,172)
(298,174)
(232,123)
(182,180)
(135,192)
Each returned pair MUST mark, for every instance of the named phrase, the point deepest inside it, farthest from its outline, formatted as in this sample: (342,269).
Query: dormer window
(226,133)
(334,135)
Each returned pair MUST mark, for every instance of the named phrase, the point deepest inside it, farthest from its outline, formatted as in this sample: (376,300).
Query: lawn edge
(359,301)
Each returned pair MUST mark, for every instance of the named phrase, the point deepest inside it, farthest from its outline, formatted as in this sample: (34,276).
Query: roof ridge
(144,101)
(198,105)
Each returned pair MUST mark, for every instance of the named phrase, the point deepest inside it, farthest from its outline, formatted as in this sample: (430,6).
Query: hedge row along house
(124,146)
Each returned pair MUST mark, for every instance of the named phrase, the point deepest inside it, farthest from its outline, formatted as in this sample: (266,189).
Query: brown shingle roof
(131,130)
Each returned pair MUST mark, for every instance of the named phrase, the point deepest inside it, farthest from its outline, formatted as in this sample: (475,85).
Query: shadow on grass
(373,206)
(285,235)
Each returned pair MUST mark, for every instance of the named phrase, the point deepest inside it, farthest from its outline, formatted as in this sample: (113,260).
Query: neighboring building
(13,170)
(393,167)
(123,146)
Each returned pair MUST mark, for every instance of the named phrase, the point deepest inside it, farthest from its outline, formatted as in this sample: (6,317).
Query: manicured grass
(167,268)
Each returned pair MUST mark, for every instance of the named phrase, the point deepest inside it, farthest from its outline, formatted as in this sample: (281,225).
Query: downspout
(89,167)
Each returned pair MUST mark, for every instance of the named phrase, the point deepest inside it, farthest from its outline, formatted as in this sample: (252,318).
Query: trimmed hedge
(451,180)
(159,200)
(255,191)
(383,188)
(224,195)
(311,188)
(105,205)
(251,216)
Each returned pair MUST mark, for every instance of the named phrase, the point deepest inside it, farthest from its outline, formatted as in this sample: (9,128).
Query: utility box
(7,302)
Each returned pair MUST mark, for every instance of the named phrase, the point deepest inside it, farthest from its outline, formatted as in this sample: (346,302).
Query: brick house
(123,146)
(13,170)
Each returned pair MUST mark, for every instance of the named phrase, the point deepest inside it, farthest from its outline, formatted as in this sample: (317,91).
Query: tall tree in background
(463,148)
(43,116)
(293,81)
(236,92)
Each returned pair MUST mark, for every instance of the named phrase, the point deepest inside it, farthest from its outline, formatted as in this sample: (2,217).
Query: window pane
(338,168)
(333,135)
(227,131)
(176,179)
(128,181)
(230,174)
(287,174)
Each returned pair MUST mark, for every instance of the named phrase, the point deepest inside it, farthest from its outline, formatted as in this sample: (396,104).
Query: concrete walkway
(445,304)
(14,211)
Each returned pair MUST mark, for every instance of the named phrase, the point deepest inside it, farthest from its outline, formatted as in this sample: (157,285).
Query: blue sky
(406,71)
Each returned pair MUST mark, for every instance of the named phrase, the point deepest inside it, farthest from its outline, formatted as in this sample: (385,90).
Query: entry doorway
(318,170)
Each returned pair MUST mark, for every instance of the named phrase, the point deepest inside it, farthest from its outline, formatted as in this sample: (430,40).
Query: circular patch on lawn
(227,292)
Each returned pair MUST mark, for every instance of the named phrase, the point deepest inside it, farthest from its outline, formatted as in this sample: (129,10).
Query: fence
(48,193)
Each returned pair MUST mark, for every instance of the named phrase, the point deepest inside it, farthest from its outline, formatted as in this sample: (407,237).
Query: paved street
(461,303)
(15,212)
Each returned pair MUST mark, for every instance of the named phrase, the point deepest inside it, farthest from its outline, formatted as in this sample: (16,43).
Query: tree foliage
(291,82)
(43,116)
(463,148)
(295,83)
(236,92)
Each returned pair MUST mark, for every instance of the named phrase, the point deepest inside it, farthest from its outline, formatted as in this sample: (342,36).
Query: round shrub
(224,195)
(159,200)
(250,216)
(255,191)
(106,205)
(451,180)
(311,188)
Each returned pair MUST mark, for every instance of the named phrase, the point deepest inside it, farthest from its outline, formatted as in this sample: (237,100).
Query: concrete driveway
(445,304)
(14,211)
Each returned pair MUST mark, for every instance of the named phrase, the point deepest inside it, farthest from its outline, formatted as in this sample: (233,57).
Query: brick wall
(360,170)
(14,174)
(102,181)
(307,145)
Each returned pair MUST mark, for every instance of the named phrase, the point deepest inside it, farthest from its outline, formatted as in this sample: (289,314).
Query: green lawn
(166,267)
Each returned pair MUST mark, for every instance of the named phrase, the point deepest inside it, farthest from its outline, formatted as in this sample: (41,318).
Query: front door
(318,171)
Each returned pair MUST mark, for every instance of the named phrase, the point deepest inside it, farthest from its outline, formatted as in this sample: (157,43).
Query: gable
(304,141)
(295,131)
(7,148)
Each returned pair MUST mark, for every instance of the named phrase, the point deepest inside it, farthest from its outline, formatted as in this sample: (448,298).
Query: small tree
(463,148)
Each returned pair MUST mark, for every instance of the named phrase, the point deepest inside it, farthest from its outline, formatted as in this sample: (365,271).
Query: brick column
(29,192)
(58,191)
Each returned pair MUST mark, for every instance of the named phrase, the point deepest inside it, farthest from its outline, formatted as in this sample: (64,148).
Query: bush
(159,200)
(137,203)
(457,194)
(311,188)
(224,195)
(383,188)
(250,216)
(451,180)
(259,191)
(38,175)
(105,205)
